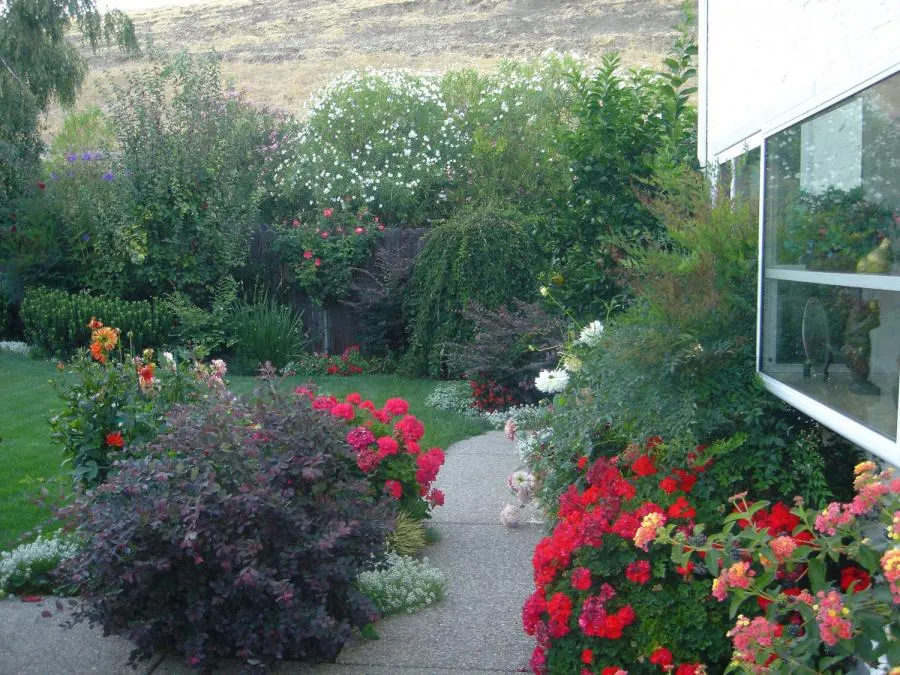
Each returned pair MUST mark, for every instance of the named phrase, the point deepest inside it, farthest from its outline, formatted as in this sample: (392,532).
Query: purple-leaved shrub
(239,533)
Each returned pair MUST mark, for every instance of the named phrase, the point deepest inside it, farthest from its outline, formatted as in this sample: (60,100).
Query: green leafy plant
(402,584)
(240,533)
(56,322)
(323,248)
(116,400)
(482,254)
(817,591)
(349,362)
(263,331)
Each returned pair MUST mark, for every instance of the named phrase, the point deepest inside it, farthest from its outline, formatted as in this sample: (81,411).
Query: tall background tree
(40,64)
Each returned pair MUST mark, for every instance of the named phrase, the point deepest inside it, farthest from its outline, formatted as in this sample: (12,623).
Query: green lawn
(28,460)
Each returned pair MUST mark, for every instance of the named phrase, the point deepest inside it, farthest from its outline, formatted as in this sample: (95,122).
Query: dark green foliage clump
(483,255)
(56,322)
(239,533)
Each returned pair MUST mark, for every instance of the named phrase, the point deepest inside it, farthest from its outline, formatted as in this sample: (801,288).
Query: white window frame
(858,433)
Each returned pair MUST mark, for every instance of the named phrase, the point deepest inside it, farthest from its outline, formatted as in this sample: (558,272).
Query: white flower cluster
(403,585)
(43,554)
(453,397)
(591,334)
(378,137)
(15,347)
(552,381)
(525,416)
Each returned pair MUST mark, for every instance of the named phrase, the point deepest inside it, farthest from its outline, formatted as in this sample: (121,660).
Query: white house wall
(765,60)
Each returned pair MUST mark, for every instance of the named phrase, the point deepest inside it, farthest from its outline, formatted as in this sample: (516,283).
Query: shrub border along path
(476,629)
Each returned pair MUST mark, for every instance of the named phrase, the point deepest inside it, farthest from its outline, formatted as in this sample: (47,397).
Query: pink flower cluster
(386,443)
(737,576)
(753,643)
(833,626)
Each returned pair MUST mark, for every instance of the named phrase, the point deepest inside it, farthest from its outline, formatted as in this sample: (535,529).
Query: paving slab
(32,644)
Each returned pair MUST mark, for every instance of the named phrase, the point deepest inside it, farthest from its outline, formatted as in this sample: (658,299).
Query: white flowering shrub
(382,139)
(15,347)
(27,567)
(514,117)
(455,396)
(402,584)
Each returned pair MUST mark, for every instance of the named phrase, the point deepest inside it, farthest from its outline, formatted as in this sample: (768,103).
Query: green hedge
(56,321)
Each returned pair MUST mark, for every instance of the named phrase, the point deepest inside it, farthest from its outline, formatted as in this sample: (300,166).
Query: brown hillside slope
(279,51)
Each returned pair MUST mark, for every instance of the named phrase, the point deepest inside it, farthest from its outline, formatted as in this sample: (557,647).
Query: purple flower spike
(71,158)
(108,176)
(86,236)
(87,156)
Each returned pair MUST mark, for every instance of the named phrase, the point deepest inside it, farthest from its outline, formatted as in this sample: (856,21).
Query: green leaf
(816,569)
(369,633)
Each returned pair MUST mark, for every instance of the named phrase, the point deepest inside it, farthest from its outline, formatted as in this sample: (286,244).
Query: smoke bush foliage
(240,532)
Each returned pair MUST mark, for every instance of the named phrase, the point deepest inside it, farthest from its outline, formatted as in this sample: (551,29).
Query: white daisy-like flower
(591,334)
(551,381)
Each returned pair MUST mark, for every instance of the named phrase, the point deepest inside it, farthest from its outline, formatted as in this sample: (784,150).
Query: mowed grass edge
(30,461)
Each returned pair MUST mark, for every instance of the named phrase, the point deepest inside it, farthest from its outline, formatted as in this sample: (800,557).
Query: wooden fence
(335,327)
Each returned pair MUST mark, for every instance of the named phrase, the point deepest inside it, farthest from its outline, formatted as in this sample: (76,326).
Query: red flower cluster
(488,395)
(387,451)
(570,597)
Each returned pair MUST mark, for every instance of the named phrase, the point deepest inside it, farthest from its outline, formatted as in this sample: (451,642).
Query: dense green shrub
(680,362)
(241,532)
(482,254)
(56,322)
(193,157)
(515,119)
(626,128)
(116,398)
(263,331)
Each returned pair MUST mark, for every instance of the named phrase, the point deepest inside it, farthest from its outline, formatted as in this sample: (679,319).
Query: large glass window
(831,258)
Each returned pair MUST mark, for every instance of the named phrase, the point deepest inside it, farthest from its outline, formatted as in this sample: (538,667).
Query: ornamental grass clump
(238,533)
(403,584)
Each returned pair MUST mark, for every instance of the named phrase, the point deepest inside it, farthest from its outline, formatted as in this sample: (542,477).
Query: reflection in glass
(833,187)
(838,345)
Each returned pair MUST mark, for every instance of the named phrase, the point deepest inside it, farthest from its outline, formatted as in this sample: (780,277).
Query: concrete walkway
(476,629)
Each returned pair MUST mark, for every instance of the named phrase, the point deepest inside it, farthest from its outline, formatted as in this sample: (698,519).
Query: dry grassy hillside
(280,51)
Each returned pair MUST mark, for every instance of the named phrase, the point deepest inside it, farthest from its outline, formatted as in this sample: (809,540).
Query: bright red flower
(668,485)
(653,442)
(353,398)
(387,446)
(686,480)
(644,466)
(638,571)
(93,324)
(332,369)
(410,428)
(559,609)
(582,462)
(393,488)
(681,509)
(662,657)
(396,406)
(344,411)
(580,578)
(146,373)
(587,656)
(328,212)
(114,439)
(851,574)
(436,497)
(307,254)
